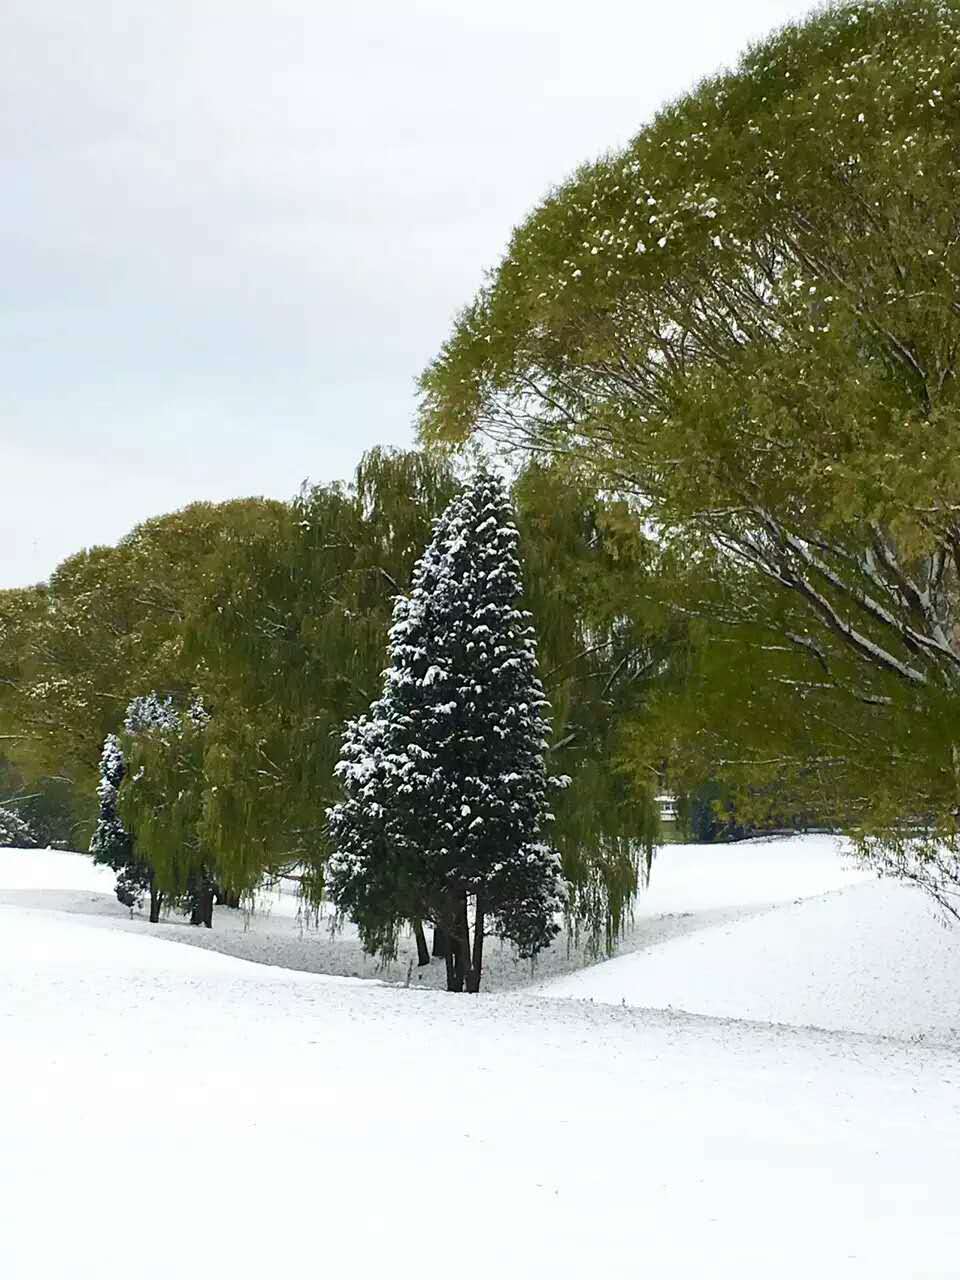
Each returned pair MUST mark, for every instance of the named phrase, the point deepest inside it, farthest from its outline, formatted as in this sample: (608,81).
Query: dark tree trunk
(156,902)
(207,905)
(453,956)
(458,944)
(226,898)
(423,951)
(441,942)
(202,910)
(476,966)
(463,943)
(456,932)
(453,982)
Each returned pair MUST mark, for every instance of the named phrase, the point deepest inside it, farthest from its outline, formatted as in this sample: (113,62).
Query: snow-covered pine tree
(112,845)
(15,832)
(445,784)
(164,800)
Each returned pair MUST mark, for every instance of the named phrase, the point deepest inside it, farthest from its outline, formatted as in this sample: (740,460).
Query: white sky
(232,232)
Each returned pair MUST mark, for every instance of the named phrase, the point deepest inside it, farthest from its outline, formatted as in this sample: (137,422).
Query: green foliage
(107,626)
(746,323)
(161,803)
(291,637)
(42,802)
(587,568)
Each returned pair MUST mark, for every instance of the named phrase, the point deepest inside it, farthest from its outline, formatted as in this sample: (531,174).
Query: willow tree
(290,633)
(160,807)
(747,323)
(605,650)
(108,625)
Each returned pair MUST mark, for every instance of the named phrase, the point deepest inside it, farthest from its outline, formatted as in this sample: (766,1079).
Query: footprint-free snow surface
(170,1110)
(872,957)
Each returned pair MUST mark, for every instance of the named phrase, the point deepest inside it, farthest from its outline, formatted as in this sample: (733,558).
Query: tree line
(219,652)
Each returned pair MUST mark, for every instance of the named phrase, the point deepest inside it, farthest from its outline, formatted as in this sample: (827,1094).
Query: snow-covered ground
(693,887)
(873,958)
(171,1111)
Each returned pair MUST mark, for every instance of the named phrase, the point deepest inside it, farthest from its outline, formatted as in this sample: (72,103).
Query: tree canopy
(747,324)
(107,627)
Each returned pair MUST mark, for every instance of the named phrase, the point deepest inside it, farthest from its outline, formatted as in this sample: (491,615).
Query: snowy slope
(769,930)
(693,887)
(172,1112)
(750,874)
(50,870)
(874,957)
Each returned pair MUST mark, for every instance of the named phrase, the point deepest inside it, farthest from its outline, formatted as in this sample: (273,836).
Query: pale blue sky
(233,231)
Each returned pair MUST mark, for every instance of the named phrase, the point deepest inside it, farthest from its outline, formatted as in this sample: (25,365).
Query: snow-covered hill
(872,957)
(171,1111)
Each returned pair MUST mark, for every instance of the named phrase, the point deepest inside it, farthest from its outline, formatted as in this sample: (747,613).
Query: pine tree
(444,780)
(15,832)
(112,845)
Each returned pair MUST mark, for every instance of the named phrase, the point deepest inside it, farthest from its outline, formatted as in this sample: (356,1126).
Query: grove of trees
(274,617)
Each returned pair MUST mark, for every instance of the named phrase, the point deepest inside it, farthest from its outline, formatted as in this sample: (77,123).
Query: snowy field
(172,1110)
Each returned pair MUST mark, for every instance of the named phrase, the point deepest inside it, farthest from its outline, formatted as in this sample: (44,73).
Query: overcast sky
(232,232)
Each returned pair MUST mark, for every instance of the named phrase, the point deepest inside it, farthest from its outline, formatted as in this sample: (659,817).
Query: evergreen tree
(15,832)
(112,845)
(444,780)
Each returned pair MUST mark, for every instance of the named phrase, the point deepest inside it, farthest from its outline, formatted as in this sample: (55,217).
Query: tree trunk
(463,942)
(156,902)
(208,907)
(459,969)
(476,967)
(441,942)
(423,951)
(202,909)
(452,979)
(228,899)
(452,955)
